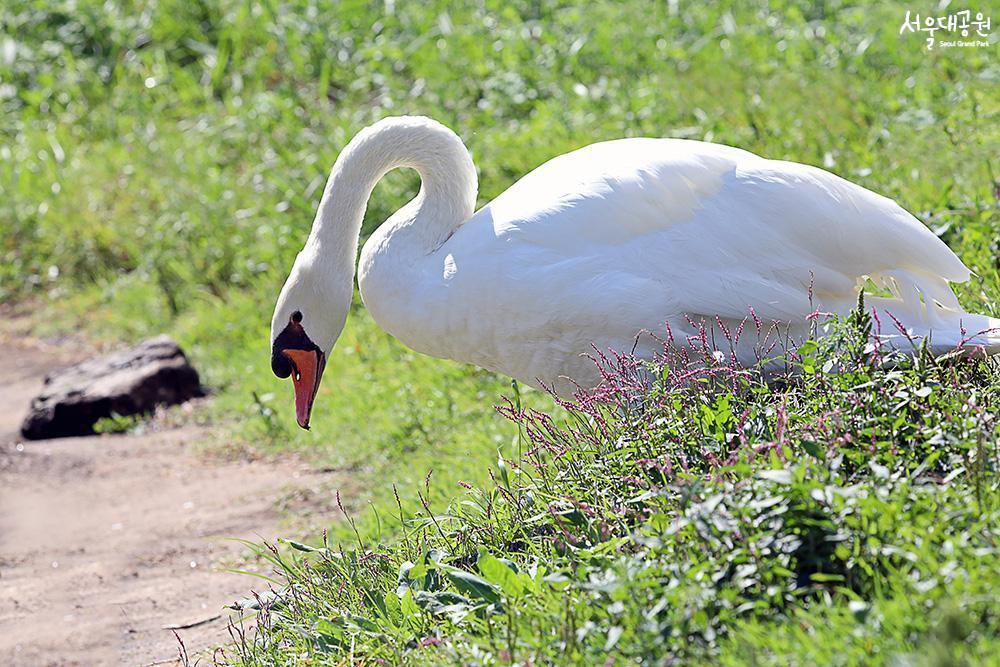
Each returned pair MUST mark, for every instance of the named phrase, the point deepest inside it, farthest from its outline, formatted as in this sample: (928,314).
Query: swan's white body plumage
(623,236)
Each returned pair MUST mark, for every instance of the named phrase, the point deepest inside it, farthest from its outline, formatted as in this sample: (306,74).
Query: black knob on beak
(292,337)
(280,364)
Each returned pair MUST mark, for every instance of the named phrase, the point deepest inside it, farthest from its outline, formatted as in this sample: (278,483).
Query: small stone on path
(130,382)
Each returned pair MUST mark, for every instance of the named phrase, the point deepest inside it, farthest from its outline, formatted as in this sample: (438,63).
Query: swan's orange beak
(307,371)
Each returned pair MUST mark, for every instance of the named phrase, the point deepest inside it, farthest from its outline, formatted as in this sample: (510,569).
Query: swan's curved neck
(447,194)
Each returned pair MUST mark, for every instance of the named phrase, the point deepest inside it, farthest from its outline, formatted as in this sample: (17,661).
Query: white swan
(591,248)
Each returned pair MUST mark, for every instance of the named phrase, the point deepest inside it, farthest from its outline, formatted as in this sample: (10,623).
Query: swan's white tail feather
(969,331)
(925,308)
(944,333)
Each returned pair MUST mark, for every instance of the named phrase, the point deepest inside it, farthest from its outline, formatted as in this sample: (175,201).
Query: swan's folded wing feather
(706,229)
(785,238)
(605,195)
(846,225)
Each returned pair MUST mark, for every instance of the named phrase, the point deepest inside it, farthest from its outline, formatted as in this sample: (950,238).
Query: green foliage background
(160,163)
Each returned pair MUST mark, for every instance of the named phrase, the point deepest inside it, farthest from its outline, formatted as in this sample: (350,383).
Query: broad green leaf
(500,574)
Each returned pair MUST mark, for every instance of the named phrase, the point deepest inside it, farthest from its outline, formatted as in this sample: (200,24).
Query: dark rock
(130,382)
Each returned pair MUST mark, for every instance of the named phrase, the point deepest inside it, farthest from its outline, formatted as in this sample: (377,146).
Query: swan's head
(308,318)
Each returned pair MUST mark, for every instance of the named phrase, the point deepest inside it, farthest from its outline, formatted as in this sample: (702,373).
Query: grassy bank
(843,514)
(160,163)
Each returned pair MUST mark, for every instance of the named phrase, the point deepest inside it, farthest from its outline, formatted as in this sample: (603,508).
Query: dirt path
(106,539)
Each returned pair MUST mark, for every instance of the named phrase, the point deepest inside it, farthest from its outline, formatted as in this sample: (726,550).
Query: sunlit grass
(843,513)
(160,164)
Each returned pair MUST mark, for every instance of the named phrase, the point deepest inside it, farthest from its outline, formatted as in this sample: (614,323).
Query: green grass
(843,514)
(160,163)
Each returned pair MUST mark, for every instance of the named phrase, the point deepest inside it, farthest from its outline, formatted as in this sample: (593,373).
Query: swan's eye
(297,316)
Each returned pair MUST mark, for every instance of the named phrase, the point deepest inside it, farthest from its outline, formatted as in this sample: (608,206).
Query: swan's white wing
(721,228)
(620,236)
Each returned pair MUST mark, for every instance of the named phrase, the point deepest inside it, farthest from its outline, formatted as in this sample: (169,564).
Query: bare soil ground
(104,540)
